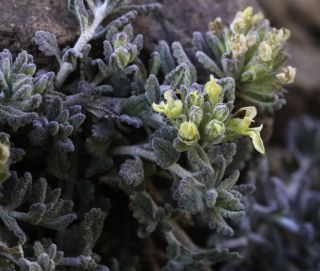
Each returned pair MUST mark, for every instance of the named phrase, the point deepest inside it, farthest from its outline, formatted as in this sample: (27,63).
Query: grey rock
(20,19)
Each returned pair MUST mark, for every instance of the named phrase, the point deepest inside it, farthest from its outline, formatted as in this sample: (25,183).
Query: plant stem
(182,237)
(180,171)
(9,257)
(99,14)
(134,151)
(235,243)
(149,155)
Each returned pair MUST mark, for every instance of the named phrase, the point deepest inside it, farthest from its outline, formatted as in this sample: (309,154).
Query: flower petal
(254,134)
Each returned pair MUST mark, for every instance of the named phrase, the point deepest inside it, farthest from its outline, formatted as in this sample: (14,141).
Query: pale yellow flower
(188,133)
(241,126)
(265,51)
(287,75)
(239,44)
(171,108)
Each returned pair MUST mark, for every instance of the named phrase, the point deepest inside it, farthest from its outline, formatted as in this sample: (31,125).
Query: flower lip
(188,133)
(287,75)
(240,126)
(172,108)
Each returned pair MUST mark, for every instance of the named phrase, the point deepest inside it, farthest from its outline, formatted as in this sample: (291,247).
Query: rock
(179,18)
(302,18)
(20,19)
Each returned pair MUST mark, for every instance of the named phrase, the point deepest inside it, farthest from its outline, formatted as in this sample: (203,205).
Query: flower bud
(214,130)
(287,75)
(265,51)
(247,14)
(221,112)
(195,98)
(123,57)
(213,89)
(195,114)
(257,18)
(188,133)
(133,51)
(120,39)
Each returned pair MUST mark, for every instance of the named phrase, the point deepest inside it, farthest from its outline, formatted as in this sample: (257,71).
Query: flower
(252,39)
(213,89)
(172,108)
(188,133)
(287,75)
(265,51)
(242,20)
(216,26)
(239,44)
(4,154)
(238,25)
(241,126)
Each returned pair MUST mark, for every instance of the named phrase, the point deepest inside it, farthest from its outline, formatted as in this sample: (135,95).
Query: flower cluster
(253,53)
(203,114)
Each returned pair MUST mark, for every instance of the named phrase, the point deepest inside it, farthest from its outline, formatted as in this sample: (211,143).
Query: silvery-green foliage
(54,129)
(56,126)
(91,14)
(304,139)
(97,146)
(284,216)
(120,51)
(90,229)
(176,65)
(132,172)
(45,208)
(21,88)
(140,129)
(164,151)
(147,213)
(34,97)
(47,257)
(214,196)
